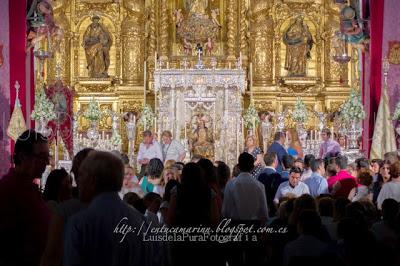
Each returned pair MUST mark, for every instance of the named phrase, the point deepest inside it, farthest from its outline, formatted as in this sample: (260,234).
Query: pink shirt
(329,146)
(342,174)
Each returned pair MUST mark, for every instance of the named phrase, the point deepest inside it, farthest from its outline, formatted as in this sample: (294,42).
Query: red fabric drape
(375,79)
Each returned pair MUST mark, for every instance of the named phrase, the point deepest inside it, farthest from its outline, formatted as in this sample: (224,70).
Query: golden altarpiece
(260,32)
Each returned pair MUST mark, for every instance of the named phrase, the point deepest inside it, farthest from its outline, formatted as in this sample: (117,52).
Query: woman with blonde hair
(255,151)
(294,149)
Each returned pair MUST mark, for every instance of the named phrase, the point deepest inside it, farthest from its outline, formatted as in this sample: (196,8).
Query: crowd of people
(298,209)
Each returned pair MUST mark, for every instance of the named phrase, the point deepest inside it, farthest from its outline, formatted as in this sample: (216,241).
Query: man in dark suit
(278,148)
(270,179)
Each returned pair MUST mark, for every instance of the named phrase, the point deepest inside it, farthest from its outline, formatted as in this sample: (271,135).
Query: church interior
(212,72)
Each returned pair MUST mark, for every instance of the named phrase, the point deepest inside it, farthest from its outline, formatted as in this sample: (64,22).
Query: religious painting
(394,52)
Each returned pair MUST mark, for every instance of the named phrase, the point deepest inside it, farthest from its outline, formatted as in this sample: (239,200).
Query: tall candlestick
(155,124)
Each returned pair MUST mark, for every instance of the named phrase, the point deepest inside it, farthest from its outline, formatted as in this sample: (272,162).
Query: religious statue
(97,42)
(214,17)
(130,124)
(187,46)
(178,17)
(197,7)
(201,142)
(209,46)
(298,41)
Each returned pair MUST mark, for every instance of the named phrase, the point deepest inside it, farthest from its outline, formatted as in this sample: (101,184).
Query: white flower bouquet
(353,109)
(93,112)
(250,118)
(300,114)
(147,117)
(44,108)
(396,115)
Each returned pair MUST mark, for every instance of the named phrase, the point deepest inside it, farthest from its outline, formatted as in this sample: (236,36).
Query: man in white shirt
(148,150)
(171,148)
(244,196)
(293,187)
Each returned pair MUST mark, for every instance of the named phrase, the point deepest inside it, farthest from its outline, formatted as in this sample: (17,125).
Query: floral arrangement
(147,117)
(44,108)
(93,112)
(300,114)
(116,139)
(250,118)
(396,115)
(352,109)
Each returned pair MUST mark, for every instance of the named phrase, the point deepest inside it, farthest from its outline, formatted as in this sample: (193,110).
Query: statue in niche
(201,141)
(197,7)
(97,42)
(298,41)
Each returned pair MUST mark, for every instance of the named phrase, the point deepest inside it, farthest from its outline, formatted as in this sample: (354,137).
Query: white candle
(155,124)
(102,135)
(167,64)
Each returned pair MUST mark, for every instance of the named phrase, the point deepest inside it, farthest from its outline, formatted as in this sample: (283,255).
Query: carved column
(61,56)
(244,28)
(132,44)
(163,30)
(262,37)
(151,37)
(335,73)
(231,29)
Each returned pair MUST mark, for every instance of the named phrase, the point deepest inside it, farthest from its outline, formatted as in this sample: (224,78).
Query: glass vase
(302,133)
(353,132)
(93,133)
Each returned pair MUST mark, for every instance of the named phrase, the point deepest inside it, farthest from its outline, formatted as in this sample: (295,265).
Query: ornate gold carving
(244,28)
(164,24)
(231,31)
(394,52)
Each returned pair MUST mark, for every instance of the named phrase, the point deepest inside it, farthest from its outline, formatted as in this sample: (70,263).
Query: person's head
(169,163)
(376,165)
(209,171)
(395,170)
(168,174)
(341,162)
(364,177)
(331,170)
(294,176)
(168,188)
(293,137)
(177,169)
(223,173)
(325,206)
(193,176)
(77,162)
(308,160)
(100,172)
(280,137)
(352,169)
(58,186)
(251,141)
(318,166)
(309,222)
(362,164)
(342,140)
(125,158)
(130,198)
(325,134)
(390,208)
(95,19)
(152,201)
(235,171)
(166,137)
(196,158)
(31,154)
(129,171)
(299,163)
(392,157)
(339,209)
(271,159)
(154,168)
(384,171)
(147,137)
(246,162)
(287,161)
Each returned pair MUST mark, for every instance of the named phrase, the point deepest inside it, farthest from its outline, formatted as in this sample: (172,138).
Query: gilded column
(151,37)
(61,47)
(231,29)
(163,30)
(132,43)
(262,37)
(244,28)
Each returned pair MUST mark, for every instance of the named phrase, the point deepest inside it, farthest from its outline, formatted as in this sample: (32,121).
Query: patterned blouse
(257,169)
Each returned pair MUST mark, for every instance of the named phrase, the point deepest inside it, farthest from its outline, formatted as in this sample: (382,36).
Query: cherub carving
(214,17)
(178,17)
(187,46)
